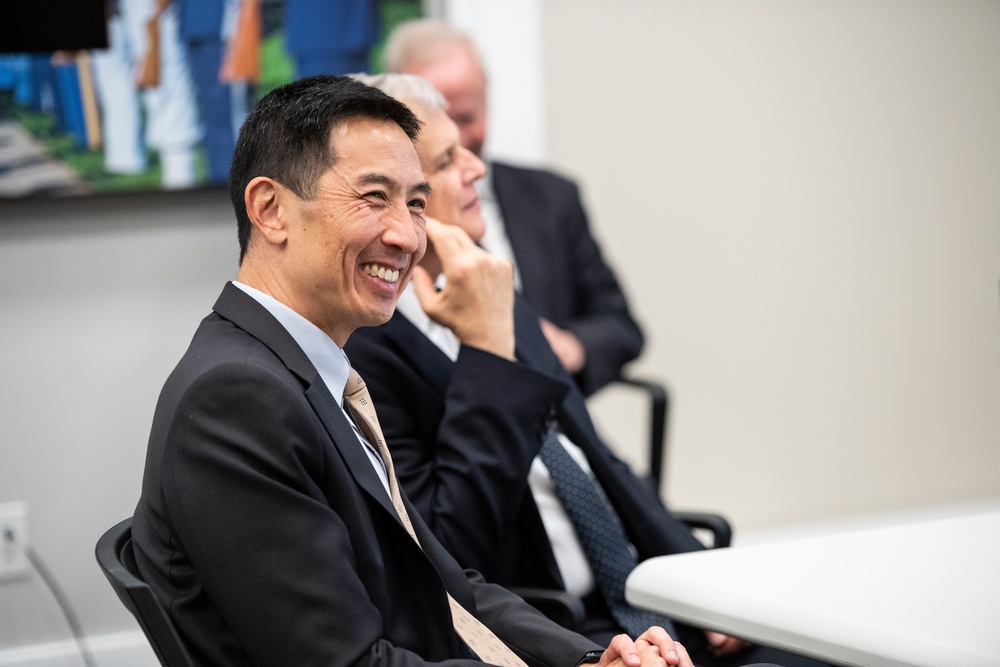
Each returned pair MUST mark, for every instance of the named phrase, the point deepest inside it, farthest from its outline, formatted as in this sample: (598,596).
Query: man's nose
(472,167)
(402,231)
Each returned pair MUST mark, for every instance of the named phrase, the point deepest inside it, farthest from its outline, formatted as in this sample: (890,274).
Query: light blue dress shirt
(331,362)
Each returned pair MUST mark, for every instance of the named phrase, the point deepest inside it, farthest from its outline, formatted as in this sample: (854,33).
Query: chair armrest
(564,608)
(659,406)
(722,532)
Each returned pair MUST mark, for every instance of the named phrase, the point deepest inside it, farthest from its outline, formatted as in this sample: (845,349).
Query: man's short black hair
(287,135)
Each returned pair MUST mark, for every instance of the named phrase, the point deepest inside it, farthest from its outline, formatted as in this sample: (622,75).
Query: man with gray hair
(535,218)
(489,437)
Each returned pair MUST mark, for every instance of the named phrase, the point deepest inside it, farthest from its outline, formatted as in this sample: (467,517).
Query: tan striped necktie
(477,636)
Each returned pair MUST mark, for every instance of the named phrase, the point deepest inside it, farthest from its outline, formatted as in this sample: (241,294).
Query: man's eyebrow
(423,187)
(379,179)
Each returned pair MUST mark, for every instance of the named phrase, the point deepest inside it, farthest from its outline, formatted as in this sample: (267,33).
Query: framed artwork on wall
(146,95)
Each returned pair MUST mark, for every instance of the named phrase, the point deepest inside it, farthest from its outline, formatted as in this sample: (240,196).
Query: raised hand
(477,300)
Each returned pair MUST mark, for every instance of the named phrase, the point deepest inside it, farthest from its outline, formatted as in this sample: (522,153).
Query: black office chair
(117,561)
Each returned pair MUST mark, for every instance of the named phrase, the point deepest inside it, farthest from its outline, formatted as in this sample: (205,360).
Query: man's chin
(381,316)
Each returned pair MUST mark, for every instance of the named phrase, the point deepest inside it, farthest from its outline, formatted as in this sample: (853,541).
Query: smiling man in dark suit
(535,218)
(265,525)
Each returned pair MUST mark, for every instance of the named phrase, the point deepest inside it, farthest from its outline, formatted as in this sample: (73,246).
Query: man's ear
(263,198)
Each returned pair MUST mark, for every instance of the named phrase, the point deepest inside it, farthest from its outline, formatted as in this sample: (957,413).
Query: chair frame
(117,560)
(659,413)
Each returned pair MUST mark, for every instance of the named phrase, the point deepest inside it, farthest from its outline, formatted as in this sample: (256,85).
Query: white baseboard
(120,649)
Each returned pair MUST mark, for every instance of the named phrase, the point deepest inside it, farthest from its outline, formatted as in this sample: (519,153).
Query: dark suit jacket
(467,476)
(562,271)
(265,531)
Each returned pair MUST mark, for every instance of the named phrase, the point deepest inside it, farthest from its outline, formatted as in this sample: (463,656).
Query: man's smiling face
(352,247)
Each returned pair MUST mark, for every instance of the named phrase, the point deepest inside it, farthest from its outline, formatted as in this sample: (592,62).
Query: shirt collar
(329,360)
(409,307)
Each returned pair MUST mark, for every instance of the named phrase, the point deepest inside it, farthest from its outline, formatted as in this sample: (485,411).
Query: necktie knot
(355,384)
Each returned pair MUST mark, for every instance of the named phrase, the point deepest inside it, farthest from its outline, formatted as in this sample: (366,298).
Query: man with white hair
(534,218)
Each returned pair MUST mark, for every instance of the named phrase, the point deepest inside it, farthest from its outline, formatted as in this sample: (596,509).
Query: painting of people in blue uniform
(160,107)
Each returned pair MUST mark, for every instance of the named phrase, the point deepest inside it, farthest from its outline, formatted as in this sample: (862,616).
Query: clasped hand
(653,648)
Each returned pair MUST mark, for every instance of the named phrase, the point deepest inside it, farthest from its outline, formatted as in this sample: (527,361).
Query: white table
(918,593)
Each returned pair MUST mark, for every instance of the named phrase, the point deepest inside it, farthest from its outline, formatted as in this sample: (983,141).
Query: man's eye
(377,194)
(418,204)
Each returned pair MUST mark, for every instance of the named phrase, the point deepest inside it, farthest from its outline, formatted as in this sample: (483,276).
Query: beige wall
(100,299)
(803,199)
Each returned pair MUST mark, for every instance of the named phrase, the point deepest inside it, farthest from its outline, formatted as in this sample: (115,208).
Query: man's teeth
(380,272)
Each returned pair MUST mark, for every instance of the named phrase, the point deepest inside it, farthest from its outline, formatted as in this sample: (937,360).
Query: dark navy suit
(267,534)
(562,271)
(470,480)
(465,467)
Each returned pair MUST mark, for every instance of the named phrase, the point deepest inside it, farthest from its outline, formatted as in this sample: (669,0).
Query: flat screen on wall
(101,96)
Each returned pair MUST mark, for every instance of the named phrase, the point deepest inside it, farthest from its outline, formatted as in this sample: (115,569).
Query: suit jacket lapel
(516,215)
(530,344)
(433,364)
(520,211)
(243,310)
(533,350)
(346,441)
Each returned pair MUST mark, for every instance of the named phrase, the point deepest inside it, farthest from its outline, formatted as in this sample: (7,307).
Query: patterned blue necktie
(601,535)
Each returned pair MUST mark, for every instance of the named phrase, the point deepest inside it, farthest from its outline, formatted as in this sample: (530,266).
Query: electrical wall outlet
(14,563)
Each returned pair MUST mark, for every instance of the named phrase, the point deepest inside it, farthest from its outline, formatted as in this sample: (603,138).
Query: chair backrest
(117,561)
